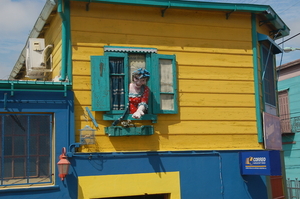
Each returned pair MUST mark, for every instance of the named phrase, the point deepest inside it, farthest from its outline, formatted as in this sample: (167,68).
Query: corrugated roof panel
(131,50)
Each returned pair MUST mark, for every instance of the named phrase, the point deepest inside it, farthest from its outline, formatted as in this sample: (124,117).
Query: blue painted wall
(202,174)
(63,112)
(207,175)
(291,151)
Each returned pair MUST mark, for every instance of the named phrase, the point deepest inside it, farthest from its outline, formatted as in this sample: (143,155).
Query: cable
(264,2)
(289,7)
(290,37)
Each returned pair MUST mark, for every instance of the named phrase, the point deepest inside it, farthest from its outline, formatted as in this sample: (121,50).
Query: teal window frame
(101,100)
(268,49)
(268,75)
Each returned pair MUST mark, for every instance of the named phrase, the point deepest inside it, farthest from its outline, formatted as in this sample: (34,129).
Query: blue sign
(260,163)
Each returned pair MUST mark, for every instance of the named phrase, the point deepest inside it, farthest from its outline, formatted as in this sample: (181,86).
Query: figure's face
(139,82)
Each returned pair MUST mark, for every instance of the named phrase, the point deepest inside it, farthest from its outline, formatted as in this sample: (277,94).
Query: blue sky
(17,18)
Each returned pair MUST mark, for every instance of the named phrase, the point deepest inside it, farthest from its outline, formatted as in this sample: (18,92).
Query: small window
(268,76)
(111,76)
(25,149)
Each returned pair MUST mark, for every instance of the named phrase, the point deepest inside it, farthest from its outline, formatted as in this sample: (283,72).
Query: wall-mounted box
(38,58)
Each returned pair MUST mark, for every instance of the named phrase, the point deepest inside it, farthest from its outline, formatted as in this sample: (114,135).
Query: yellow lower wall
(129,185)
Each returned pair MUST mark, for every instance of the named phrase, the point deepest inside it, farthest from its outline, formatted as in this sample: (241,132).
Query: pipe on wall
(256,80)
(63,10)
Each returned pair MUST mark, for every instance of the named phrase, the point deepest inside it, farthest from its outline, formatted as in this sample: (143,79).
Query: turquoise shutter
(164,90)
(100,84)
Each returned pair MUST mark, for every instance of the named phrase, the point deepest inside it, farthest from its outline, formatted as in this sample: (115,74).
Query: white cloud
(17,18)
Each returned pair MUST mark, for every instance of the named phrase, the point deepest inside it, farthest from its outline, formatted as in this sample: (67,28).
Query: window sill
(21,189)
(151,117)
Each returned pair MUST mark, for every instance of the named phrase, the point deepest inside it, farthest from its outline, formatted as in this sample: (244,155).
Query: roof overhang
(265,11)
(274,47)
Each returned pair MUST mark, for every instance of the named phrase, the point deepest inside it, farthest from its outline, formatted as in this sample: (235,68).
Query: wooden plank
(82,98)
(192,114)
(203,142)
(195,86)
(98,39)
(56,65)
(81,68)
(146,14)
(135,143)
(216,100)
(215,47)
(208,59)
(183,58)
(211,114)
(205,127)
(214,86)
(84,53)
(53,36)
(220,73)
(81,82)
(53,33)
(176,127)
(175,143)
(159,29)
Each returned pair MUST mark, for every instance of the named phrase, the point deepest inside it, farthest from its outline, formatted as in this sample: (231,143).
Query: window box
(129,131)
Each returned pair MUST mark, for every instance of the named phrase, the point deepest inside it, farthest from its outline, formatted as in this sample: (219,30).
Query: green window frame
(268,76)
(268,49)
(162,82)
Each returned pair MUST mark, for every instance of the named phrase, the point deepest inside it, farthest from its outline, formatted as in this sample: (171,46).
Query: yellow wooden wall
(52,36)
(215,74)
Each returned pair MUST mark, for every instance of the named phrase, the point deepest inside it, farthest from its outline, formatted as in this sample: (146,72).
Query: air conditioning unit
(38,58)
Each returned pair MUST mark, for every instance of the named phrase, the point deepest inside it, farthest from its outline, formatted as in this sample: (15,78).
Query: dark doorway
(146,196)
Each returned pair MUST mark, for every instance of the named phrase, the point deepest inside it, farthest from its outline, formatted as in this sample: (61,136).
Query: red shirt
(135,100)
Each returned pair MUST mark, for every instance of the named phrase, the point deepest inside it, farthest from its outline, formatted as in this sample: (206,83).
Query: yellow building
(212,95)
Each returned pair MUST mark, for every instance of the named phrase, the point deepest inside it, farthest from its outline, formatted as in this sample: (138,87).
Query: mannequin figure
(139,93)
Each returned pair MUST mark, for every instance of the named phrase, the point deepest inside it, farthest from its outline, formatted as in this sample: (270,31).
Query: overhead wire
(289,38)
(289,7)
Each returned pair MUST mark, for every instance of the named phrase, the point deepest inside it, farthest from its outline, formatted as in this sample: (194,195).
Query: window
(268,76)
(25,149)
(284,111)
(111,75)
(268,48)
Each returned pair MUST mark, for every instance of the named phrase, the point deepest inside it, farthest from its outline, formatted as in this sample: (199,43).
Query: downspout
(256,80)
(63,10)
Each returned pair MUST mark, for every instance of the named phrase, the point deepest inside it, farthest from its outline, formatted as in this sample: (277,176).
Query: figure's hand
(139,112)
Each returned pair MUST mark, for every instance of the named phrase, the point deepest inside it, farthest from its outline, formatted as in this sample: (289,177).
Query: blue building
(288,78)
